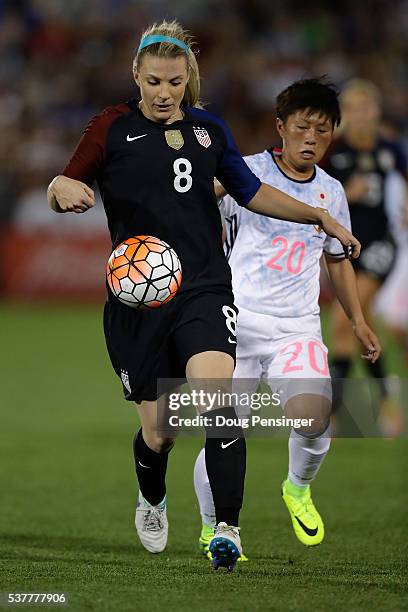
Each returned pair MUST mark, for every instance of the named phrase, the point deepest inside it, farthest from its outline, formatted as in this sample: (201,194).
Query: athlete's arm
(71,190)
(220,192)
(271,202)
(344,283)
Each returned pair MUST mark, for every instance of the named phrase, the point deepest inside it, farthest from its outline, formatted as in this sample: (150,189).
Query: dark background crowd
(61,62)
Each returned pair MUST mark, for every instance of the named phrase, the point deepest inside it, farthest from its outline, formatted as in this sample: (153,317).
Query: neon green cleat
(207,533)
(307,522)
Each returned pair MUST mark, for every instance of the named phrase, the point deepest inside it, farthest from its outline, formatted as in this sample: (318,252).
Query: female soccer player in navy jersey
(154,162)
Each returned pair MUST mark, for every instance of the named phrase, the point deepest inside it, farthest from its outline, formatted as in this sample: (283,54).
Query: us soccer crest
(174,139)
(202,136)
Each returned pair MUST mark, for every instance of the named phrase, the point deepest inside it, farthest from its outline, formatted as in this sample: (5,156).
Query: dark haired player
(370,169)
(275,277)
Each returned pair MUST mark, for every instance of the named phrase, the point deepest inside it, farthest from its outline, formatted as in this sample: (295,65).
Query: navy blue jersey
(370,217)
(157,179)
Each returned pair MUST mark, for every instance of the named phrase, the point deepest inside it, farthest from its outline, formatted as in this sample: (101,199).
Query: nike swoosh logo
(145,466)
(130,138)
(310,532)
(231,341)
(228,444)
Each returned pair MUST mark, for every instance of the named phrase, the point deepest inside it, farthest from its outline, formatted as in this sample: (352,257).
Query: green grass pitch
(68,493)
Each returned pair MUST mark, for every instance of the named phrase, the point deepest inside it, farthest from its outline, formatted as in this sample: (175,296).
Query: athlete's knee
(158,443)
(210,365)
(311,411)
(316,429)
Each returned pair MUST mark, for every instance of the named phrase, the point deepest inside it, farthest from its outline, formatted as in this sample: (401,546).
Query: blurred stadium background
(67,475)
(61,62)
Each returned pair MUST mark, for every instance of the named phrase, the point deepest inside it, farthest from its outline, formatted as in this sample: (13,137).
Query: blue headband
(158,38)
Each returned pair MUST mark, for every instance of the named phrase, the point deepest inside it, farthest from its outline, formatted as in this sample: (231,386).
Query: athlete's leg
(390,413)
(225,453)
(344,345)
(306,398)
(368,287)
(249,369)
(206,504)
(203,491)
(150,450)
(308,445)
(392,301)
(225,462)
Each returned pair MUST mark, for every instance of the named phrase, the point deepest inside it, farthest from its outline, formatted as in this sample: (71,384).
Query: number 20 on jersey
(294,253)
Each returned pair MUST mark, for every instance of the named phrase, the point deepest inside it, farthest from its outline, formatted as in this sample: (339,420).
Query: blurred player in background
(155,160)
(392,298)
(275,274)
(371,169)
(391,302)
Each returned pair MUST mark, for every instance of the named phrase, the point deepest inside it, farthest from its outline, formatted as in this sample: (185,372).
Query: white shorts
(392,298)
(288,353)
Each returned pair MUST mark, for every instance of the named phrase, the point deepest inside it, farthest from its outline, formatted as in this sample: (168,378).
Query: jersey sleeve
(340,212)
(227,205)
(231,215)
(89,155)
(234,174)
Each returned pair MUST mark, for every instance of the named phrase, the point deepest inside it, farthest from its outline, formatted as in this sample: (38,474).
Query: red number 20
(295,257)
(311,349)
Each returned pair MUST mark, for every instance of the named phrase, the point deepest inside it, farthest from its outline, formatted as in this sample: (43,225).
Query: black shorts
(146,345)
(377,259)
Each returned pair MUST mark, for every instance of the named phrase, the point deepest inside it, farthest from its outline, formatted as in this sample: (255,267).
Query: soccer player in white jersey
(275,271)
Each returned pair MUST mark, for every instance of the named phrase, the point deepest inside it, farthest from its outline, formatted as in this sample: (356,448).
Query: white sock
(306,455)
(203,490)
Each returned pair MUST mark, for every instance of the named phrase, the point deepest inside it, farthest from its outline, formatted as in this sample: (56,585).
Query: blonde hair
(361,86)
(168,49)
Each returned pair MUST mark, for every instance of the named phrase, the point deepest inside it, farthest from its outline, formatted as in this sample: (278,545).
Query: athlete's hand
(220,192)
(351,245)
(369,341)
(71,195)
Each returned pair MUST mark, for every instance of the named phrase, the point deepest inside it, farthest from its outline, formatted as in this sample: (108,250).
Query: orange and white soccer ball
(144,272)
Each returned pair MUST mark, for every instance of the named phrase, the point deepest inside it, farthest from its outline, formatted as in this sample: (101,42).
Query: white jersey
(276,264)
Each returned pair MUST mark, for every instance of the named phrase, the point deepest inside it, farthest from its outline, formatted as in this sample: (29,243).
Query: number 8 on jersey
(182,175)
